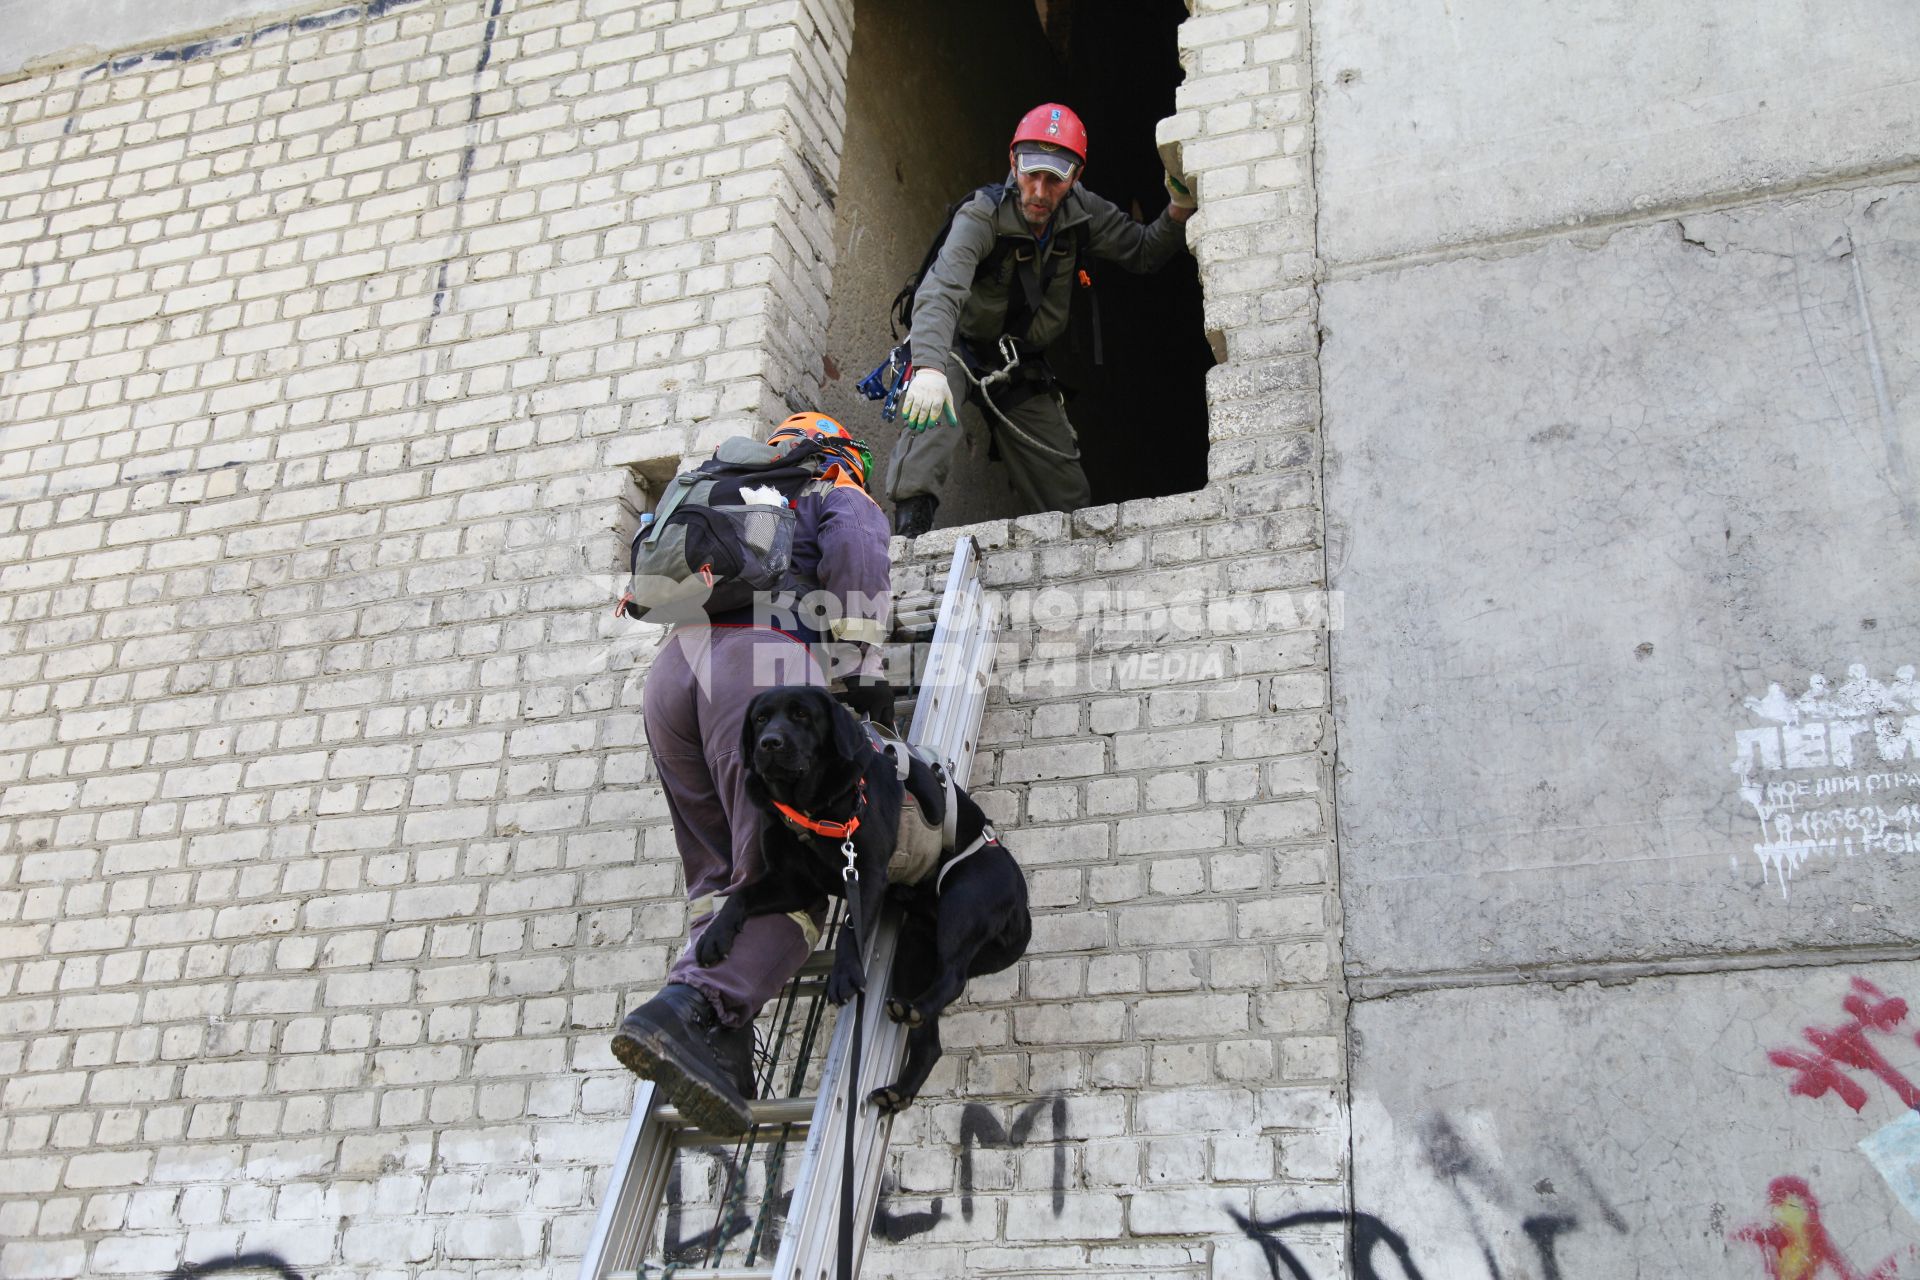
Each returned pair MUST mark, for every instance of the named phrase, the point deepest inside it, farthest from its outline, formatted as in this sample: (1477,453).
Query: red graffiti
(1846,1047)
(1794,1242)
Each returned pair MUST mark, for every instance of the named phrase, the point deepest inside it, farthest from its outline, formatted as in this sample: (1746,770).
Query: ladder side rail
(954,740)
(952,730)
(969,705)
(885,1051)
(936,687)
(625,1220)
(808,1243)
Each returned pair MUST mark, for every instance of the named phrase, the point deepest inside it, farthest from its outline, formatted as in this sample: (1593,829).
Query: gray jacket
(950,300)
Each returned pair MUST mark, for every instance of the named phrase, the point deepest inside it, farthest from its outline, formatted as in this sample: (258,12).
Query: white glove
(927,400)
(1179,194)
(1179,189)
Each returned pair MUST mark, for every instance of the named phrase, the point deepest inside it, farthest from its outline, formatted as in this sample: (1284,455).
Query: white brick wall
(329,848)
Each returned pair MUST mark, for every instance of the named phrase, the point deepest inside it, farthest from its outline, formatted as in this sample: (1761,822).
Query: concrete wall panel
(1640,1130)
(1444,123)
(1585,500)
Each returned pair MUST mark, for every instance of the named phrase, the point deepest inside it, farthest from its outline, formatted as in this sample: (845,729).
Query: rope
(723,1227)
(1006,424)
(727,1224)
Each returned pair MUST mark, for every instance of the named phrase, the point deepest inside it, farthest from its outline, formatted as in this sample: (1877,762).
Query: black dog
(812,767)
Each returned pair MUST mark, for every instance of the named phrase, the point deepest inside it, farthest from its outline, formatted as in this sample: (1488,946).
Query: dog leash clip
(848,873)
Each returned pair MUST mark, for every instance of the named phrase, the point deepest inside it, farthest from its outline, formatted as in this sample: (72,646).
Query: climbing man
(694,1039)
(995,296)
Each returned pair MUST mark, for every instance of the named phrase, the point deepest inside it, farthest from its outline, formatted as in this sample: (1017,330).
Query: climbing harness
(889,379)
(1010,354)
(925,848)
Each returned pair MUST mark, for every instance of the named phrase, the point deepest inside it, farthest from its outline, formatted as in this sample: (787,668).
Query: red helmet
(1052,126)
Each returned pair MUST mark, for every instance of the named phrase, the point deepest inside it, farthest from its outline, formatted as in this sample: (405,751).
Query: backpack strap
(1083,238)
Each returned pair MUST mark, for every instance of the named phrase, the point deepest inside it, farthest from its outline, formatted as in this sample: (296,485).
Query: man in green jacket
(996,296)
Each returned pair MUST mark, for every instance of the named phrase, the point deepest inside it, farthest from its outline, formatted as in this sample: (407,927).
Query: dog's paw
(844,983)
(713,947)
(901,1011)
(890,1099)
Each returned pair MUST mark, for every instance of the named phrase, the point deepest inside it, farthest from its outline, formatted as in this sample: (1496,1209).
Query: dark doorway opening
(934,90)
(1142,416)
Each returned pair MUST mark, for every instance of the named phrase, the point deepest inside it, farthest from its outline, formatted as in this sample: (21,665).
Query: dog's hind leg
(914,966)
(943,991)
(1005,948)
(958,939)
(923,1050)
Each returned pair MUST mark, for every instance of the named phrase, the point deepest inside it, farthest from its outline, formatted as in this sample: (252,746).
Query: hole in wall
(655,474)
(643,483)
(934,91)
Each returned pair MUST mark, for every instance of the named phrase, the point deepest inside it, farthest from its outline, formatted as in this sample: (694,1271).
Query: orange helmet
(1051,138)
(836,439)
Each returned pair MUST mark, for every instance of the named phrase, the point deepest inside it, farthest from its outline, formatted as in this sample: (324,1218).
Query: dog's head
(801,746)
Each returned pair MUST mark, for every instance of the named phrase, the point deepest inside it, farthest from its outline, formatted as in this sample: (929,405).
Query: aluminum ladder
(946,721)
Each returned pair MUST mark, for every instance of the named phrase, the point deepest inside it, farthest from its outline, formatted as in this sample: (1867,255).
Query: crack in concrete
(1597,233)
(1615,973)
(1899,474)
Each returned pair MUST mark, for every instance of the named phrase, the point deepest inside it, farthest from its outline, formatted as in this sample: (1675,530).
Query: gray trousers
(922,459)
(695,705)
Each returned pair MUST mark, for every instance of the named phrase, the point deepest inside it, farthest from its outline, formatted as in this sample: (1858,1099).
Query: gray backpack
(717,538)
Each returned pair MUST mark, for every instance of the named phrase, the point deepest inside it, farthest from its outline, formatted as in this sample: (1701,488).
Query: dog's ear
(849,739)
(749,734)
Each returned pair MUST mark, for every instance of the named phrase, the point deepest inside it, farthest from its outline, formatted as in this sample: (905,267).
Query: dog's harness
(925,848)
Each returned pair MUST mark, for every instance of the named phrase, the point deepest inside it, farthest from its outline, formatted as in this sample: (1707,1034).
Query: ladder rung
(767,1111)
(724,1273)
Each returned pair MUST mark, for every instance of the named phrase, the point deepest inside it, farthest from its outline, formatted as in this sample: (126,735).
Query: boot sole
(651,1055)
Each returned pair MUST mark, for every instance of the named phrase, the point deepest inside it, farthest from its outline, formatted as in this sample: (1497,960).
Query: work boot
(705,1069)
(913,516)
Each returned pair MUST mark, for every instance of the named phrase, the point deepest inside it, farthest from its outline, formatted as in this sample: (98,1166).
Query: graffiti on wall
(980,1128)
(1516,1234)
(1794,1244)
(1837,1052)
(1834,772)
(1485,1197)
(239,1263)
(1848,1047)
(1369,1236)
